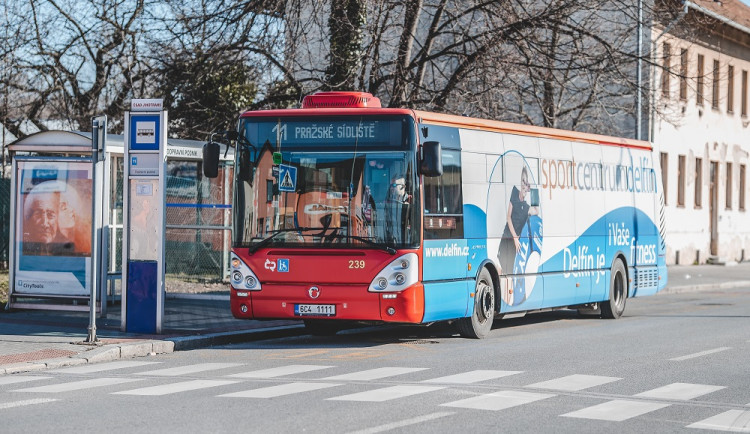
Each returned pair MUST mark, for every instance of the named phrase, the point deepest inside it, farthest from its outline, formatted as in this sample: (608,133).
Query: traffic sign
(287,178)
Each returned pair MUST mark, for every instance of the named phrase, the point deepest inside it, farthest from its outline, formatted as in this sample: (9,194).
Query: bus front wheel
(618,291)
(479,324)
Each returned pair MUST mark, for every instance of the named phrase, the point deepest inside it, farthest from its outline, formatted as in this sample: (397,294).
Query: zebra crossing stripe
(617,410)
(732,420)
(373,374)
(189,369)
(573,383)
(8,405)
(79,385)
(280,371)
(168,389)
(387,393)
(19,379)
(499,400)
(280,390)
(99,367)
(680,391)
(472,377)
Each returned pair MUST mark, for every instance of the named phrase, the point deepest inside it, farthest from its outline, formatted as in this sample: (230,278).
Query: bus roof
(459,122)
(526,130)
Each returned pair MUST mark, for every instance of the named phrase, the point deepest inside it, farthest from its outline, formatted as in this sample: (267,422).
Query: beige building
(704,135)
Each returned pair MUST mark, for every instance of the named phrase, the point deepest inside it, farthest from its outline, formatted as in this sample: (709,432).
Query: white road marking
(472,377)
(79,385)
(499,400)
(12,379)
(403,423)
(280,371)
(702,353)
(373,374)
(168,389)
(280,390)
(573,383)
(387,393)
(99,367)
(189,369)
(732,420)
(617,410)
(680,391)
(8,405)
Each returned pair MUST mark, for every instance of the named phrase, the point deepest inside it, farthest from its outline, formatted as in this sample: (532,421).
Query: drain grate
(418,342)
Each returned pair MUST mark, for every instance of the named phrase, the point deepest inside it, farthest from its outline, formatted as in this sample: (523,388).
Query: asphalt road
(673,363)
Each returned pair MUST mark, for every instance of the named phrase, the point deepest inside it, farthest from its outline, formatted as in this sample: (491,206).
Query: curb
(111,352)
(704,287)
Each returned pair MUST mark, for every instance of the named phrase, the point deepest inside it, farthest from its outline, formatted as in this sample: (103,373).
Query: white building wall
(714,134)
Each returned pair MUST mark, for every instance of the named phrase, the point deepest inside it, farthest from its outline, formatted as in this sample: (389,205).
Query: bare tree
(80,58)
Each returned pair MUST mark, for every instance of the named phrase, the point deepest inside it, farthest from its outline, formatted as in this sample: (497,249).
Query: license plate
(315,309)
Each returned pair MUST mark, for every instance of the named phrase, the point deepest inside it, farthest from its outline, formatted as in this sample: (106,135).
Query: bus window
(443,202)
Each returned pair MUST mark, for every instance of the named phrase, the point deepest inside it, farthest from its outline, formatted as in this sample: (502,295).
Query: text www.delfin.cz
(447,251)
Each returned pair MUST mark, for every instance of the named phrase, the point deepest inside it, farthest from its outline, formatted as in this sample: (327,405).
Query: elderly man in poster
(49,205)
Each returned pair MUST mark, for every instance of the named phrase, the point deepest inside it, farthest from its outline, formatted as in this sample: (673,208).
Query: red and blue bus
(345,211)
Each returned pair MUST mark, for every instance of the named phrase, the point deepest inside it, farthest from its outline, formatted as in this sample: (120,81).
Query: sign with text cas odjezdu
(146,105)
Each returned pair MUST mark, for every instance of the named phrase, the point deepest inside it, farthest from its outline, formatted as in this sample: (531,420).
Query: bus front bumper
(344,302)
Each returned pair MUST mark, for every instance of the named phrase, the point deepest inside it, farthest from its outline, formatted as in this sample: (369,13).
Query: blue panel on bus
(447,300)
(445,259)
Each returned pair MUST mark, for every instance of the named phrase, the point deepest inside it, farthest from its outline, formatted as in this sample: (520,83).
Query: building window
(698,182)
(683,73)
(666,64)
(681,180)
(699,85)
(715,86)
(269,190)
(743,97)
(730,89)
(742,187)
(729,186)
(664,160)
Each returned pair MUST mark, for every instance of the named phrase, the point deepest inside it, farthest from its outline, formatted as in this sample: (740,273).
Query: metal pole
(98,135)
(639,90)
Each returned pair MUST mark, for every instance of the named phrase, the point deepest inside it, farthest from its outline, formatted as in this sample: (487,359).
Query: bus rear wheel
(479,324)
(618,292)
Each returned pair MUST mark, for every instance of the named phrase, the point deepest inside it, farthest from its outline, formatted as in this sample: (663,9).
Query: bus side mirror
(432,160)
(211,160)
(245,169)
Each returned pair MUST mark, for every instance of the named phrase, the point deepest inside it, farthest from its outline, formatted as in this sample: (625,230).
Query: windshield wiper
(367,241)
(266,241)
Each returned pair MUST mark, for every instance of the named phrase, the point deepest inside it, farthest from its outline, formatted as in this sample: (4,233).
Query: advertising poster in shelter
(53,228)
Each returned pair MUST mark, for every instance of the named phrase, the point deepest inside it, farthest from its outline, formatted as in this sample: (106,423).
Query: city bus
(347,212)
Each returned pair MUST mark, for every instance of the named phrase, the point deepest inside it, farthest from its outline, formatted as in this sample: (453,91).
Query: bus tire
(322,327)
(479,324)
(618,291)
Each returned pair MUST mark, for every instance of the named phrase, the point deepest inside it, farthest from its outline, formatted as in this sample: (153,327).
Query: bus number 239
(356,264)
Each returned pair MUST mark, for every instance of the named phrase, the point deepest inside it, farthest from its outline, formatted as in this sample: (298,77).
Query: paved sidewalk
(33,340)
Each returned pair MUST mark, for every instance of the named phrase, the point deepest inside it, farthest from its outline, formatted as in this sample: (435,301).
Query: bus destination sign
(308,132)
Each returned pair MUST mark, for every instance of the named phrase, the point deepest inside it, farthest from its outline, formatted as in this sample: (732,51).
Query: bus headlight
(243,277)
(398,275)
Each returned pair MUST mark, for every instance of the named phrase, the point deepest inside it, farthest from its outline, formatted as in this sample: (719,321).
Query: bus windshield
(345,182)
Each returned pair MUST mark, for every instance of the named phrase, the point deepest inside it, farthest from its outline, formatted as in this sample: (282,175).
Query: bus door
(446,251)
